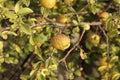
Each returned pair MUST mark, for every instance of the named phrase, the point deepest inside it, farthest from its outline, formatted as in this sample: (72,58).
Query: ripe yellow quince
(48,3)
(60,41)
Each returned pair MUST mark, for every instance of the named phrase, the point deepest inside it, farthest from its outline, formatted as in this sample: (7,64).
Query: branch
(107,39)
(56,24)
(81,36)
(108,49)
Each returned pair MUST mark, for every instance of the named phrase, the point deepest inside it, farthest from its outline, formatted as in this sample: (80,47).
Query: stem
(108,50)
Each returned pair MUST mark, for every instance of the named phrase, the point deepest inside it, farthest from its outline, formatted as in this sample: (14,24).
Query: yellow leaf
(102,68)
(83,54)
(53,67)
(6,33)
(45,72)
(1,59)
(114,59)
(31,41)
(1,46)
(102,61)
(116,76)
(32,72)
(17,48)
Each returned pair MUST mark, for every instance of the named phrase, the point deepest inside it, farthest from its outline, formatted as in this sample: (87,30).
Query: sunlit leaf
(45,72)
(16,47)
(102,68)
(38,52)
(14,27)
(77,72)
(1,59)
(32,72)
(75,22)
(1,47)
(76,30)
(11,60)
(10,15)
(6,33)
(112,25)
(24,11)
(116,76)
(31,41)
(114,59)
(17,6)
(53,67)
(83,55)
(92,1)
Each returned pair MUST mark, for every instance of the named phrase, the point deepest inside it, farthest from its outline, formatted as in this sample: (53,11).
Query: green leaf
(77,72)
(39,54)
(17,48)
(44,11)
(114,59)
(11,60)
(76,30)
(112,25)
(24,77)
(40,38)
(6,33)
(52,67)
(14,26)
(31,41)
(52,78)
(92,1)
(2,69)
(32,73)
(1,59)
(36,65)
(94,9)
(25,28)
(24,11)
(44,72)
(10,15)
(17,6)
(26,2)
(88,45)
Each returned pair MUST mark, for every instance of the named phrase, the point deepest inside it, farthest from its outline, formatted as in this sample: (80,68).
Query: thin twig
(59,24)
(108,49)
(67,24)
(66,65)
(64,58)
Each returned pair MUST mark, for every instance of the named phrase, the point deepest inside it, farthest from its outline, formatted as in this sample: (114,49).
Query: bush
(27,26)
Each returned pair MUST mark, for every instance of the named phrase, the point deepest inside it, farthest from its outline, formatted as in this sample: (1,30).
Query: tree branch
(67,24)
(108,50)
